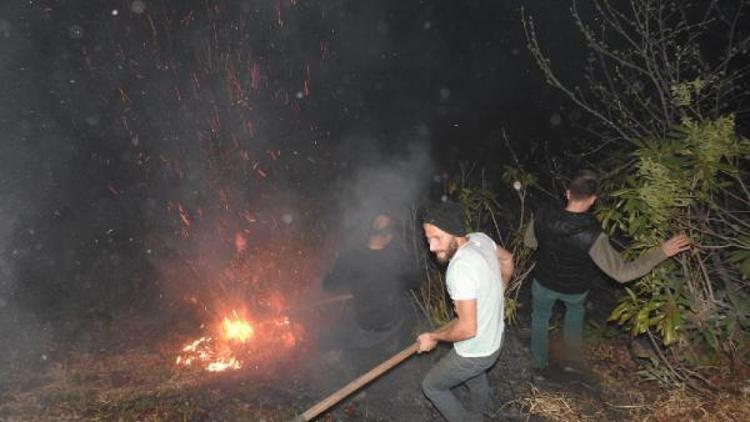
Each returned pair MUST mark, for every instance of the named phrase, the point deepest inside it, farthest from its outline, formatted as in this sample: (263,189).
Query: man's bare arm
(463,327)
(506,265)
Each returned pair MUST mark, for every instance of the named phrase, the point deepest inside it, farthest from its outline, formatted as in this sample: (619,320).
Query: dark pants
(451,371)
(542,302)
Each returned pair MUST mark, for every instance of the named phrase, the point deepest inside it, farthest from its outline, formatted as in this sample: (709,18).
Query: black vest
(565,238)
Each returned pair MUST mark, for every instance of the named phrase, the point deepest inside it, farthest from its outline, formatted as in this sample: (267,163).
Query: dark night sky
(116,115)
(459,70)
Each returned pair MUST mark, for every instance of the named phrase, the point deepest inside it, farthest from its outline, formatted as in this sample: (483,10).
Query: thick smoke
(144,145)
(391,181)
(61,235)
(24,178)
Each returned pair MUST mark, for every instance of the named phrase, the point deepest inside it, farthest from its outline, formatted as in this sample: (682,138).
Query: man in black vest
(572,249)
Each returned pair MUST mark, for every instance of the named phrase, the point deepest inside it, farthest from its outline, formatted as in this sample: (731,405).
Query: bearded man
(477,274)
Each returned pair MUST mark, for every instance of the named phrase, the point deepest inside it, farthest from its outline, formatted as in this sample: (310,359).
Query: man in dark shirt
(378,276)
(572,250)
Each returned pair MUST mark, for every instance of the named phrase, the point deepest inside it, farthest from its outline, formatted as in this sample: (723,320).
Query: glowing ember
(193,347)
(204,352)
(199,350)
(223,364)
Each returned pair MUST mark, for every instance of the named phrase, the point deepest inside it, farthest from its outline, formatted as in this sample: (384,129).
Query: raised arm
(612,263)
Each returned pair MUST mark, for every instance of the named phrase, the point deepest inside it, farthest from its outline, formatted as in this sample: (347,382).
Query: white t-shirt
(474,273)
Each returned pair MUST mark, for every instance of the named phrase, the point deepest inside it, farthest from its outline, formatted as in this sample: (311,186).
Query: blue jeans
(542,302)
(451,371)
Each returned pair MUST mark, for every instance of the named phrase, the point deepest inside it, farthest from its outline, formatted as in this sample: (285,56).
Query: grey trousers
(451,371)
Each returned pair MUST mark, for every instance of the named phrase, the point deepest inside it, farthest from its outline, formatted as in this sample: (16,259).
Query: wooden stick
(355,385)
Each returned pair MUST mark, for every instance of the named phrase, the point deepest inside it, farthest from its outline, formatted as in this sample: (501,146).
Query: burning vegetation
(180,176)
(204,155)
(234,337)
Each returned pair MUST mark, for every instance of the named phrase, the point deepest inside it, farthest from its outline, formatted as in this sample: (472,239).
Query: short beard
(448,253)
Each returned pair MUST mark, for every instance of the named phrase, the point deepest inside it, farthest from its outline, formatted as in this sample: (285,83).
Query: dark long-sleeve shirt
(609,260)
(378,281)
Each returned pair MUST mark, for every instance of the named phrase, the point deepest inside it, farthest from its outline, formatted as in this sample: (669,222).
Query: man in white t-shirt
(477,272)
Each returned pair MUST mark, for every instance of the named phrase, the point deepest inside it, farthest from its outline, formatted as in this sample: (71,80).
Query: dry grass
(83,387)
(558,407)
(636,403)
(132,382)
(681,404)
(626,397)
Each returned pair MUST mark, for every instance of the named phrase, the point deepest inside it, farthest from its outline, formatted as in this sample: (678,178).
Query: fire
(218,355)
(240,337)
(237,341)
(237,329)
(198,350)
(223,364)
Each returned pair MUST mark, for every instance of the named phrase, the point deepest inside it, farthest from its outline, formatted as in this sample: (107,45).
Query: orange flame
(238,339)
(237,329)
(223,364)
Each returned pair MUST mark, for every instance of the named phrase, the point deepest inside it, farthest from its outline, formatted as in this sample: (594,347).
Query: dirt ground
(128,373)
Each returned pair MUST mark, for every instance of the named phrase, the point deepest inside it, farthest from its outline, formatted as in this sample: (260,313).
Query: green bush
(692,182)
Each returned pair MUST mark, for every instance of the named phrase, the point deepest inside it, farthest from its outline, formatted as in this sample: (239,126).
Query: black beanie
(447,216)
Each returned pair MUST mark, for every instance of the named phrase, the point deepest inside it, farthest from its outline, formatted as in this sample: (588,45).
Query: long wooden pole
(355,385)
